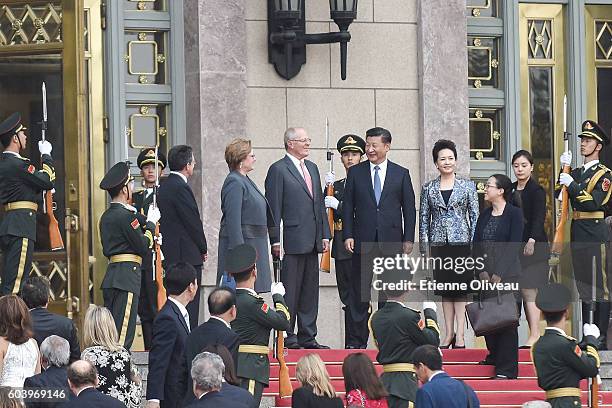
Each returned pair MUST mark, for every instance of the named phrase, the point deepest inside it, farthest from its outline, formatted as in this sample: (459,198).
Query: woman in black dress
(531,198)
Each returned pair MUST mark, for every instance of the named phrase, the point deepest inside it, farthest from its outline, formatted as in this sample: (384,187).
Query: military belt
(253,349)
(21,205)
(582,215)
(126,258)
(563,392)
(398,368)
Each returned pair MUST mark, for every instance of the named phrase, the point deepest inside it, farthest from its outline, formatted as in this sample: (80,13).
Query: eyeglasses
(490,186)
(305,140)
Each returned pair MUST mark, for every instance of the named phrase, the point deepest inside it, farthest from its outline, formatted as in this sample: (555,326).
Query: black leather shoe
(314,346)
(352,347)
(485,362)
(293,345)
(500,377)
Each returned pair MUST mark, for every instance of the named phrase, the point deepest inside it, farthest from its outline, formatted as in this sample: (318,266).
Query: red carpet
(457,363)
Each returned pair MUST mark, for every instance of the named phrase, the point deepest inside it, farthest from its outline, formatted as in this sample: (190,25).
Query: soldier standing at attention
(147,302)
(589,191)
(126,239)
(20,188)
(559,361)
(351,149)
(254,320)
(397,331)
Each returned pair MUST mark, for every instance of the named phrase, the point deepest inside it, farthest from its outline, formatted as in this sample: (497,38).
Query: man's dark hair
(553,317)
(35,292)
(114,192)
(441,145)
(82,373)
(429,356)
(179,157)
(379,131)
(178,277)
(243,276)
(230,372)
(220,301)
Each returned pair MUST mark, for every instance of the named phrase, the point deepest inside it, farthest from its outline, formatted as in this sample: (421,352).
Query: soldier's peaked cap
(591,129)
(554,297)
(11,126)
(147,156)
(351,143)
(118,175)
(240,258)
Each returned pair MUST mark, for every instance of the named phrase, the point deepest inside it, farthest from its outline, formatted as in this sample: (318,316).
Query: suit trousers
(300,276)
(503,351)
(17,263)
(255,388)
(193,307)
(395,402)
(147,305)
(123,305)
(344,274)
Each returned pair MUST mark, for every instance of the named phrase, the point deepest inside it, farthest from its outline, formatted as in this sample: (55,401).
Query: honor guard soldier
(254,320)
(589,191)
(147,303)
(20,191)
(127,237)
(559,360)
(397,331)
(351,149)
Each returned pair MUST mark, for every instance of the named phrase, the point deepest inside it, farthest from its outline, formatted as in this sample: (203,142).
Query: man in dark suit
(378,217)
(207,373)
(167,378)
(35,294)
(439,390)
(293,190)
(83,380)
(182,229)
(217,330)
(55,353)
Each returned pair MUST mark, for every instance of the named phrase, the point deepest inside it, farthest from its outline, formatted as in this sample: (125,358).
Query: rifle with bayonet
(325,265)
(158,271)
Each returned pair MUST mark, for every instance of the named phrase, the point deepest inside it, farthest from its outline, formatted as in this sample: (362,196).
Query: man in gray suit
(293,190)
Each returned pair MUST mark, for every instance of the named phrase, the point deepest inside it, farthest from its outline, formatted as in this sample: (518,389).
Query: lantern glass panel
(342,5)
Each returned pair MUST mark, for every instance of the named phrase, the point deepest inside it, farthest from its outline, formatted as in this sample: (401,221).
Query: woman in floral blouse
(116,375)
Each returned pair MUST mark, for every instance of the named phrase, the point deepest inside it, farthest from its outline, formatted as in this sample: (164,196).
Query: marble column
(215,89)
(443,88)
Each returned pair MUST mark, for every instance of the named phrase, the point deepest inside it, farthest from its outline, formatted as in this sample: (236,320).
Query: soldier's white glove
(565,179)
(159,239)
(277,288)
(590,330)
(430,305)
(154,215)
(566,158)
(331,202)
(44,147)
(330,177)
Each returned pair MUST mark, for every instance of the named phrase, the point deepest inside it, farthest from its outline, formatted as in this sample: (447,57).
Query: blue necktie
(377,188)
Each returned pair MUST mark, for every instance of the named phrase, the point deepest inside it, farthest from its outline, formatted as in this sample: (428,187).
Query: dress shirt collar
(590,164)
(295,160)
(13,153)
(182,309)
(561,331)
(435,373)
(178,173)
(203,394)
(126,206)
(83,389)
(382,166)
(221,320)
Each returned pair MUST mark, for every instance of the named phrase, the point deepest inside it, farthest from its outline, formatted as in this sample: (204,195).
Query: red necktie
(307,178)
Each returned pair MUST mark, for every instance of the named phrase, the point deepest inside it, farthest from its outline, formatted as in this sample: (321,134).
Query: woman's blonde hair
(236,151)
(310,370)
(99,329)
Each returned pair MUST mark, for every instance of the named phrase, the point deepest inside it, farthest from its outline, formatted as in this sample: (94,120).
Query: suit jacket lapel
(295,173)
(268,208)
(388,178)
(181,319)
(437,193)
(368,171)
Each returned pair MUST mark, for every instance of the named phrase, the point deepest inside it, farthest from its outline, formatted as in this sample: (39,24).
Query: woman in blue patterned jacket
(448,214)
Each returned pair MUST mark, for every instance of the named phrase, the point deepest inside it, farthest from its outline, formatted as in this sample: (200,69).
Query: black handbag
(495,314)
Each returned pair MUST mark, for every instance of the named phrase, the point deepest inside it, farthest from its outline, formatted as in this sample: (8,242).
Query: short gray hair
(55,350)
(290,134)
(207,371)
(536,404)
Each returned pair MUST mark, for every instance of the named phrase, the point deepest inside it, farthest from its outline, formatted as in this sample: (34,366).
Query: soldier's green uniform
(147,302)
(126,239)
(589,193)
(343,258)
(397,330)
(21,186)
(559,361)
(253,323)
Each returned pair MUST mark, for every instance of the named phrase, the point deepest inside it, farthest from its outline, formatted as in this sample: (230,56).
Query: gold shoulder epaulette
(255,295)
